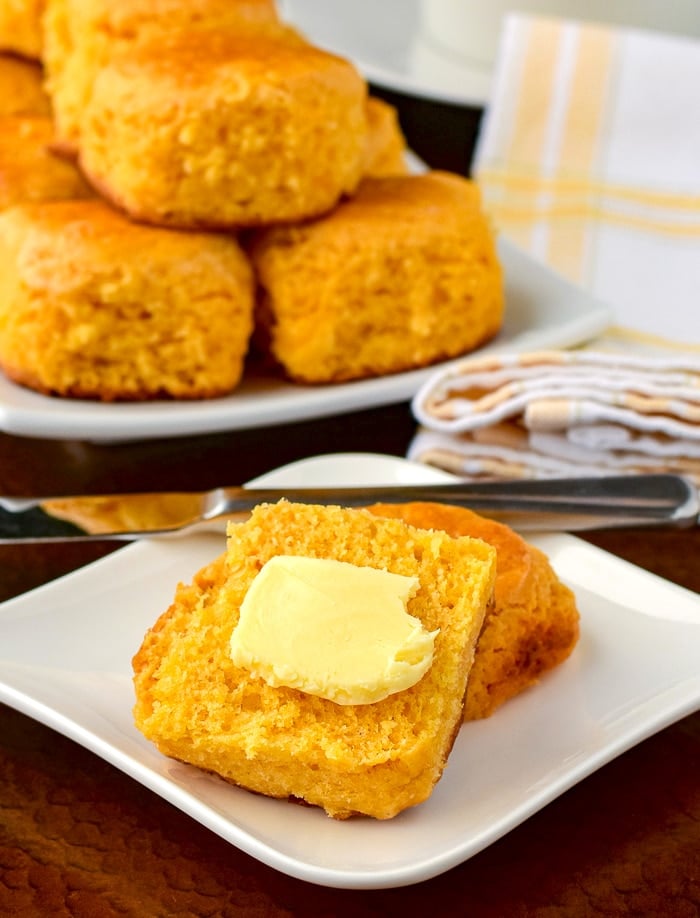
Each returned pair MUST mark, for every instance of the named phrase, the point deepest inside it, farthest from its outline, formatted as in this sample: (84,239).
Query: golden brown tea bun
(215,130)
(400,276)
(533,625)
(20,27)
(93,306)
(29,171)
(375,759)
(22,88)
(80,36)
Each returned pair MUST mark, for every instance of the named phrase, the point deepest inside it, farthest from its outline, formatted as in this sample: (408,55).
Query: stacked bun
(403,263)
(219,130)
(126,311)
(216,119)
(82,36)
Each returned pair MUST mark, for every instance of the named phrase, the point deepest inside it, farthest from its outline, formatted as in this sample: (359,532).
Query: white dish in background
(389,44)
(446,50)
(65,652)
(542,311)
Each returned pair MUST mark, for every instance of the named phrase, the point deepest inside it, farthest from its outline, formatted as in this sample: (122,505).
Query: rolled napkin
(561,413)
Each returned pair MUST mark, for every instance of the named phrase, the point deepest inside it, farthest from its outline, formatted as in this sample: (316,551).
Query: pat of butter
(332,629)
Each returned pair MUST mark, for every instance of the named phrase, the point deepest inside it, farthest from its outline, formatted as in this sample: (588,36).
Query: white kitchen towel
(589,159)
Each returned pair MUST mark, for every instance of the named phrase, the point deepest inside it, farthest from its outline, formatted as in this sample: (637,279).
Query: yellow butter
(332,629)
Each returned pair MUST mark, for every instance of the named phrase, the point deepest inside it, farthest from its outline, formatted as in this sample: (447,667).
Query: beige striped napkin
(589,159)
(562,413)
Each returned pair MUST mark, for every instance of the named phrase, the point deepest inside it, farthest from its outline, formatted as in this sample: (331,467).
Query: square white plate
(65,660)
(542,311)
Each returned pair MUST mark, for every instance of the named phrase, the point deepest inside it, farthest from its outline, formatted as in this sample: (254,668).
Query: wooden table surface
(79,838)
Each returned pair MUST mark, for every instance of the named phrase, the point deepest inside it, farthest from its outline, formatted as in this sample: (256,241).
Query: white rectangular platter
(542,310)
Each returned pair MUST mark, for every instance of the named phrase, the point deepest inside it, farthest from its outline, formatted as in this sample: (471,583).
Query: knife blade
(561,504)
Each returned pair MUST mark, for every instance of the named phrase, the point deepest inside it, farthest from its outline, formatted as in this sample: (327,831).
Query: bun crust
(29,171)
(22,88)
(20,27)
(386,145)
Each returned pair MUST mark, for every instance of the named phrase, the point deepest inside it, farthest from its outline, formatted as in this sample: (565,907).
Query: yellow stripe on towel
(580,145)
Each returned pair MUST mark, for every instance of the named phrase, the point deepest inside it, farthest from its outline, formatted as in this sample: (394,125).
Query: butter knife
(561,504)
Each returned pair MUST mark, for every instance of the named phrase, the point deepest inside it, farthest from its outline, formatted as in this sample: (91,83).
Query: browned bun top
(190,57)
